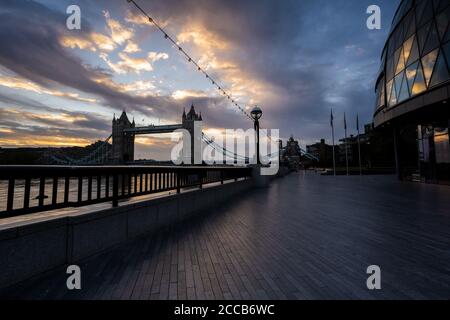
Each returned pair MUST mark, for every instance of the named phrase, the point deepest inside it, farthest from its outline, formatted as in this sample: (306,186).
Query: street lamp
(256,114)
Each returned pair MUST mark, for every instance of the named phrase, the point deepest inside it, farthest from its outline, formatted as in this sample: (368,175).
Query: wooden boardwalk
(304,237)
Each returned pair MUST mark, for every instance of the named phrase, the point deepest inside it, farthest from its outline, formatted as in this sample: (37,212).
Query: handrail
(75,186)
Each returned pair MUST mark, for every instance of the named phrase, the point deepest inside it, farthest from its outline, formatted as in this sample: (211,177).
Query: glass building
(413,89)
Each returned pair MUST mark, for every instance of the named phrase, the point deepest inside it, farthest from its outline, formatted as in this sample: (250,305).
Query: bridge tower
(192,122)
(122,142)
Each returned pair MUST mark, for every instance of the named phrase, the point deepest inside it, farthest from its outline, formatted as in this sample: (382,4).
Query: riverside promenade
(306,236)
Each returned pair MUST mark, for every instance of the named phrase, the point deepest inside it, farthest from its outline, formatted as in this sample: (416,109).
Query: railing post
(10,200)
(55,191)
(66,189)
(221,176)
(107,186)
(89,191)
(41,191)
(115,201)
(80,189)
(178,181)
(26,197)
(99,187)
(200,175)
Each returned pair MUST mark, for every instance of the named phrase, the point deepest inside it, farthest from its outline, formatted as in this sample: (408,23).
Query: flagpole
(332,136)
(359,145)
(346,143)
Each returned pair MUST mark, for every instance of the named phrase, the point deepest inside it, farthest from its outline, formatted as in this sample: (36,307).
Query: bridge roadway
(305,237)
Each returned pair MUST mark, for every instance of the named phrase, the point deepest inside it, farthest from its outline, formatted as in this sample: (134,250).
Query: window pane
(414,54)
(440,73)
(398,84)
(389,90)
(393,96)
(404,92)
(447,35)
(399,57)
(442,22)
(411,72)
(419,11)
(390,69)
(407,47)
(432,41)
(447,51)
(428,64)
(422,34)
(419,83)
(400,34)
(427,13)
(410,25)
(391,47)
(441,6)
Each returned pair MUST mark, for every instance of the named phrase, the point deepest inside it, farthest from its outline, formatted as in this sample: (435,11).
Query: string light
(166,36)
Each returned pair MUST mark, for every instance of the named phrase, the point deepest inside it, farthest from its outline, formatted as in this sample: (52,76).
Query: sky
(296,59)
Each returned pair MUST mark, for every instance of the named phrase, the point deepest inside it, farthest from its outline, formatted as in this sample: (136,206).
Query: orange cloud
(131,47)
(215,54)
(36,141)
(119,33)
(182,94)
(20,83)
(93,42)
(130,64)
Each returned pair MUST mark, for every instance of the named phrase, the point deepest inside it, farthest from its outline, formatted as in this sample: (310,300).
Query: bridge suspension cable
(97,156)
(223,150)
(191,60)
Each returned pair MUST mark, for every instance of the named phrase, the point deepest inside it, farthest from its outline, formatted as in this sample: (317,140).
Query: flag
(357,122)
(345,122)
(331,118)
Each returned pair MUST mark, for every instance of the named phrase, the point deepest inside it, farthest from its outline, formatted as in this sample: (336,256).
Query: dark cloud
(315,54)
(308,51)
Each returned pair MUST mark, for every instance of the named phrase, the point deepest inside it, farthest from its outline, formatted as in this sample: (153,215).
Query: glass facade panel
(390,69)
(444,4)
(447,52)
(427,13)
(399,57)
(442,22)
(419,83)
(428,64)
(440,73)
(393,96)
(414,54)
(398,85)
(411,73)
(422,35)
(403,92)
(407,46)
(433,39)
(410,25)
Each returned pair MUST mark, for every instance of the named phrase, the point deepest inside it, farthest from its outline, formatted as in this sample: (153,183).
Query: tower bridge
(124,132)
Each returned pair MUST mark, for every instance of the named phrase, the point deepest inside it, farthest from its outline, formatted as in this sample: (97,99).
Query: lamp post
(256,114)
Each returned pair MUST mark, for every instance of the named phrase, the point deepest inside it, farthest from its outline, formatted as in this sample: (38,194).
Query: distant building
(377,151)
(323,152)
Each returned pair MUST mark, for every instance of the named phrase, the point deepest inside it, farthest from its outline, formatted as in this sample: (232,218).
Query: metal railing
(74,186)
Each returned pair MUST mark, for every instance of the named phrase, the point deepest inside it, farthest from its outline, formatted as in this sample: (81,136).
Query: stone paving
(305,237)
